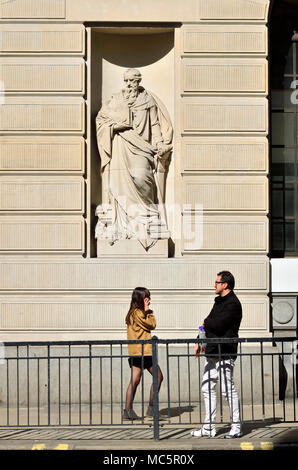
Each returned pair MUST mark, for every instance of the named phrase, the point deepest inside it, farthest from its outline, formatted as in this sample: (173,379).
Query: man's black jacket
(223,322)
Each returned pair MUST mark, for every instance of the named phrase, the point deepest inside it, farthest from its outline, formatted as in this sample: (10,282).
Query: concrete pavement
(260,432)
(133,438)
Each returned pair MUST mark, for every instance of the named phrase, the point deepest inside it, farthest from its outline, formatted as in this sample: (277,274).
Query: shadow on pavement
(176,411)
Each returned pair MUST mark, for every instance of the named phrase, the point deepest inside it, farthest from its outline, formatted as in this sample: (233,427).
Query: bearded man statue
(134,137)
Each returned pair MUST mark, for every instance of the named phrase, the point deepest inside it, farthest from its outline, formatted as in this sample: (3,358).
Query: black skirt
(140,361)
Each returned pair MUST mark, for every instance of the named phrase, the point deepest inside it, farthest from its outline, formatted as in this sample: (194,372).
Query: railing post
(155,388)
(262,380)
(49,385)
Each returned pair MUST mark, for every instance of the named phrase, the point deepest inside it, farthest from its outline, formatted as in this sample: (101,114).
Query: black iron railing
(83,383)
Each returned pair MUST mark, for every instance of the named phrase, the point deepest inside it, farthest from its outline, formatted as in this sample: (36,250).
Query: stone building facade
(60,59)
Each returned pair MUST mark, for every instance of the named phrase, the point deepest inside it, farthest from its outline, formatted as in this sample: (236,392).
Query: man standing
(134,136)
(222,322)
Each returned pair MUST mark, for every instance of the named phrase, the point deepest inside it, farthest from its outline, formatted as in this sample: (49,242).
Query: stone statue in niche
(134,137)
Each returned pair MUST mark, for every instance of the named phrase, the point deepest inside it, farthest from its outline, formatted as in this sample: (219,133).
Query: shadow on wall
(137,50)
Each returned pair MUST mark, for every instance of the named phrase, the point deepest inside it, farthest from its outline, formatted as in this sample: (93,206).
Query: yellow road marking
(39,447)
(267,445)
(62,447)
(246,446)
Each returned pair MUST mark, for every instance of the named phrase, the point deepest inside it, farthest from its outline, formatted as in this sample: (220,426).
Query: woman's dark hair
(137,301)
(227,277)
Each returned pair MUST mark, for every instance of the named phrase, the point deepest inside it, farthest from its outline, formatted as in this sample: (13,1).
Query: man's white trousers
(222,372)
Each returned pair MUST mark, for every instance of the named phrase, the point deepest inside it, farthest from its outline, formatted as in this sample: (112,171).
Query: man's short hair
(227,277)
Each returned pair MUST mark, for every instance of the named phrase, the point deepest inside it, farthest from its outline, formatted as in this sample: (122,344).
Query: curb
(145,446)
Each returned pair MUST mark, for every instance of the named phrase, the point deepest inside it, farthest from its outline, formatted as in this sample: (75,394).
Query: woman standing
(139,322)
